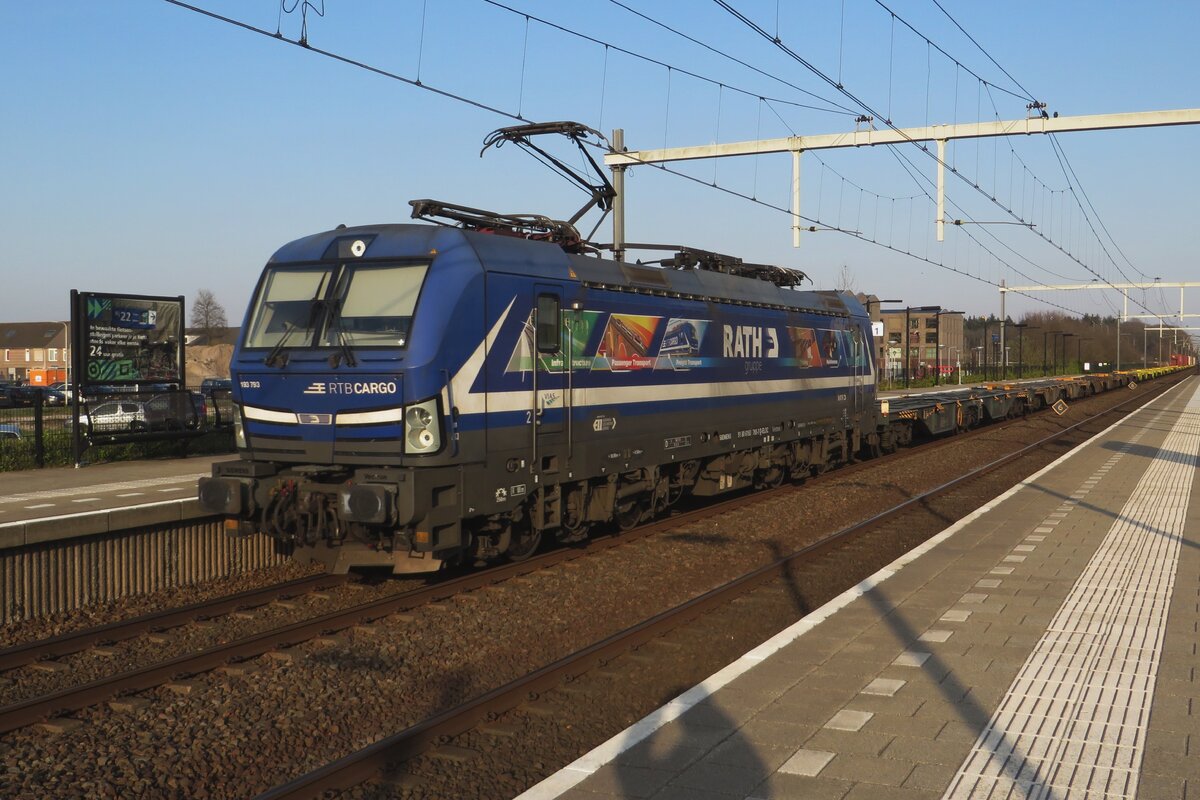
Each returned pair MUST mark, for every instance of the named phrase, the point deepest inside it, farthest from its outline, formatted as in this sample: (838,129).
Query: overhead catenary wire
(1067,167)
(838,85)
(832,108)
(1025,96)
(918,176)
(1064,162)
(1028,95)
(779,44)
(717,51)
(816,224)
(345,60)
(307,4)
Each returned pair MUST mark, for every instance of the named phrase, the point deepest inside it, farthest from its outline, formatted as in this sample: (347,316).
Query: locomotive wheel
(524,544)
(770,478)
(629,516)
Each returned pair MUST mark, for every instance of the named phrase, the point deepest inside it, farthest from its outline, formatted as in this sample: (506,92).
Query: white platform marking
(1073,723)
(54,494)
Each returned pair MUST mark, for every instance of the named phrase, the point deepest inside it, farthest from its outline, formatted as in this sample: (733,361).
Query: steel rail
(363,764)
(32,710)
(65,644)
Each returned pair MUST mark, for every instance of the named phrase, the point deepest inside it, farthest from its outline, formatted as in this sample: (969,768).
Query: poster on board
(129,339)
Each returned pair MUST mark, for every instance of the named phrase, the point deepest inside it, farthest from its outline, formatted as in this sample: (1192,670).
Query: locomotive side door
(859,360)
(549,414)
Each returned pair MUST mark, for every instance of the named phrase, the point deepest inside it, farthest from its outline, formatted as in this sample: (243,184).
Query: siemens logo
(332,387)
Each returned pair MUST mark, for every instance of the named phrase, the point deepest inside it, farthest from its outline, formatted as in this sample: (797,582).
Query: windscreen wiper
(277,350)
(335,325)
(314,306)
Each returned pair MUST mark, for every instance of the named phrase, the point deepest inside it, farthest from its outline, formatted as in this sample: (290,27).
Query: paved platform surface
(1043,647)
(74,502)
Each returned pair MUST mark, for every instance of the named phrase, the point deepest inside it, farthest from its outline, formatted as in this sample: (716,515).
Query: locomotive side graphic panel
(626,342)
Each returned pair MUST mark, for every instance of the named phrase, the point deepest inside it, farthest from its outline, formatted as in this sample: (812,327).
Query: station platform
(60,502)
(1045,646)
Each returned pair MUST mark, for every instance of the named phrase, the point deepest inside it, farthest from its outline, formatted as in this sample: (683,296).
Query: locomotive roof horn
(694,258)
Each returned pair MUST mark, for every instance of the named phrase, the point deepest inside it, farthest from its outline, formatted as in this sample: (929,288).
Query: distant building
(934,342)
(34,352)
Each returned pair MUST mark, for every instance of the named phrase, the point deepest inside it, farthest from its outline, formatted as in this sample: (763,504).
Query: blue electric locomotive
(416,395)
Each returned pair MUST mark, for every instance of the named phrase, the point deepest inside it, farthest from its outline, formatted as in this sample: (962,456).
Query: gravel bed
(225,736)
(92,664)
(129,607)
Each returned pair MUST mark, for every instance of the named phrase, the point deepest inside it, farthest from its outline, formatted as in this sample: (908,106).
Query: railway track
(910,521)
(121,630)
(43,707)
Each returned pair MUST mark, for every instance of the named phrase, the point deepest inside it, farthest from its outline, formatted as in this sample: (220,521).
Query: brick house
(32,352)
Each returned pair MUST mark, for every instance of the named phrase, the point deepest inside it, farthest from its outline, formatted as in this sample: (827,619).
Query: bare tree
(207,314)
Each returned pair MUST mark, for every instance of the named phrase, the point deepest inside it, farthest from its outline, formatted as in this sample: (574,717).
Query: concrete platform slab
(58,503)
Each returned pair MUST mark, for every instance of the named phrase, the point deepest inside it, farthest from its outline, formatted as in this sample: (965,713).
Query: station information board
(125,339)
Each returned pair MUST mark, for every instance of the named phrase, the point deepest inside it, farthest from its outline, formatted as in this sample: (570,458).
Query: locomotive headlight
(419,417)
(239,432)
(423,434)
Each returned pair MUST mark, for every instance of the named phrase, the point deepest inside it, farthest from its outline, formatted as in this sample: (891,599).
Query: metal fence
(114,424)
(65,575)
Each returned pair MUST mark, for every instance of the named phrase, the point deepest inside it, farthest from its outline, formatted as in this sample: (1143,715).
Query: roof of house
(15,335)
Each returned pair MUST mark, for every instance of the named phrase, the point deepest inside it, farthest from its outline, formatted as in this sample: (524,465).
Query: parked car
(210,386)
(25,394)
(171,411)
(114,416)
(67,390)
(9,431)
(200,402)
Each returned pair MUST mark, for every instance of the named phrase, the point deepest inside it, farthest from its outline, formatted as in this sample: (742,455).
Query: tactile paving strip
(1073,723)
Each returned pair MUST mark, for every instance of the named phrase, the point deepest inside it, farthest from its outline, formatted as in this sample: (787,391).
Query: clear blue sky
(149,149)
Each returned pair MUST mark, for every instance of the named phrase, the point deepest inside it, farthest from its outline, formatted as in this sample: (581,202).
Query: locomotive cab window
(548,330)
(374,305)
(369,305)
(285,304)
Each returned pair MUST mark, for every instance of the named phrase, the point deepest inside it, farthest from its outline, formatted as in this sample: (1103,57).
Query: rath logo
(746,341)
